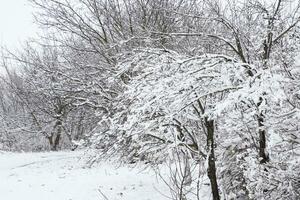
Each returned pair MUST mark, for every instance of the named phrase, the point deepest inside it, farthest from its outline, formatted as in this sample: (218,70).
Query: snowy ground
(62,176)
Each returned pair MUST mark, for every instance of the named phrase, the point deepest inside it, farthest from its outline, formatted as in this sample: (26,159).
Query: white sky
(16,22)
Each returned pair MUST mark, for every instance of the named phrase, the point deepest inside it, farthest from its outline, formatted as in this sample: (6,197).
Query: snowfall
(65,176)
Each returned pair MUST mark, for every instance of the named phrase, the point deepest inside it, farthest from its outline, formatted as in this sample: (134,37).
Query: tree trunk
(263,157)
(54,139)
(262,141)
(56,142)
(50,139)
(211,171)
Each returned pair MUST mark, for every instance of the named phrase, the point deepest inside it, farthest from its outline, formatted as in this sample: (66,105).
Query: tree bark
(54,139)
(211,171)
(263,156)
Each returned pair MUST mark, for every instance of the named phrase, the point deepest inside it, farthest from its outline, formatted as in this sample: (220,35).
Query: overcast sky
(16,22)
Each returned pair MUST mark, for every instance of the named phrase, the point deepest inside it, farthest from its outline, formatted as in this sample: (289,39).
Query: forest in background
(210,88)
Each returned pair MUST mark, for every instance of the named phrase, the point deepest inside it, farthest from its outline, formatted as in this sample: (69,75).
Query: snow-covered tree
(169,103)
(210,85)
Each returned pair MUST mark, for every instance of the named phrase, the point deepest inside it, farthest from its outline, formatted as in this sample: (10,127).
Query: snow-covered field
(63,176)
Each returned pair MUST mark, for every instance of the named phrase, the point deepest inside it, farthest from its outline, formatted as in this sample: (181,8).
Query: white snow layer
(62,176)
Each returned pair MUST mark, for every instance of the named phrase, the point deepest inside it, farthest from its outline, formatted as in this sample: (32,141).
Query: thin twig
(103,195)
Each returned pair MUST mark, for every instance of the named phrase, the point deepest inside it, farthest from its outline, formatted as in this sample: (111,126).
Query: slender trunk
(211,171)
(56,142)
(50,139)
(263,157)
(267,44)
(58,134)
(54,139)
